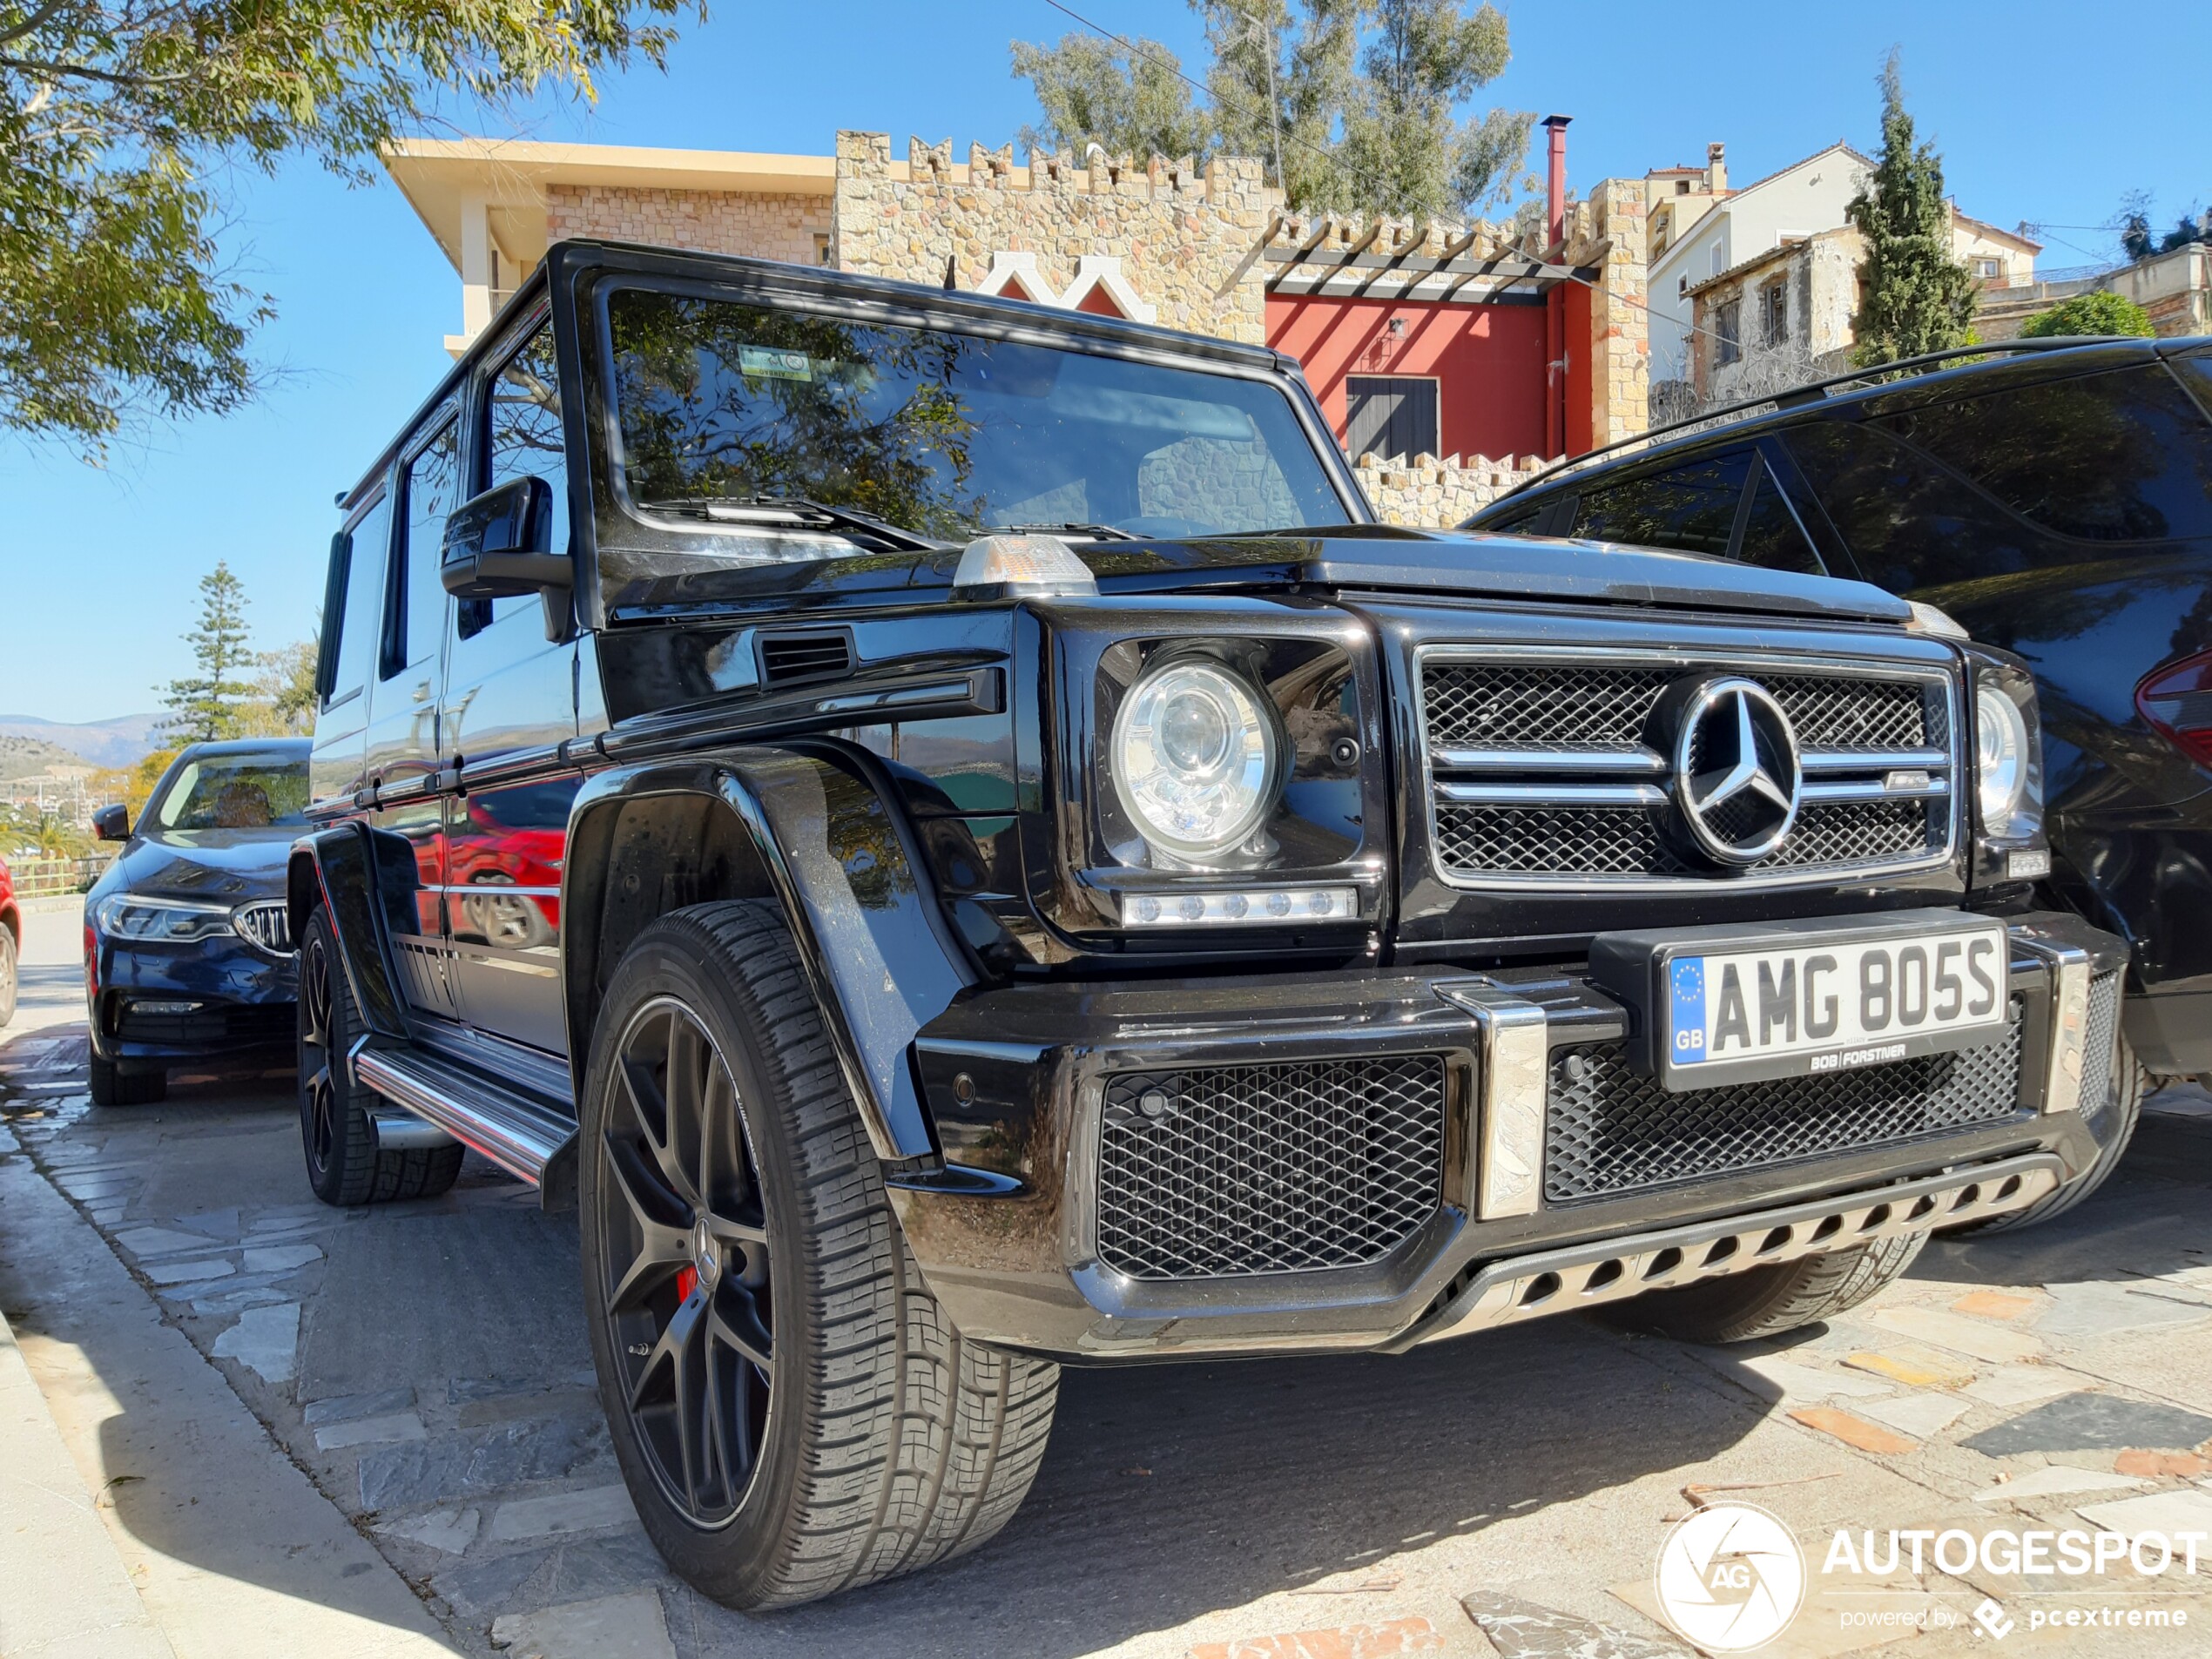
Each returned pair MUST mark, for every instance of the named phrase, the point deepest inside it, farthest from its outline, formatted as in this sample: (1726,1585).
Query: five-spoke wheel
(683,1256)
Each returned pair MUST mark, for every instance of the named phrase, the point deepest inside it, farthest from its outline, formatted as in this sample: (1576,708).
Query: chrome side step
(520,1134)
(1612,1270)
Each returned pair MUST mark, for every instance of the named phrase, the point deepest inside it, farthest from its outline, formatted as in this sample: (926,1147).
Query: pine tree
(1918,297)
(211,703)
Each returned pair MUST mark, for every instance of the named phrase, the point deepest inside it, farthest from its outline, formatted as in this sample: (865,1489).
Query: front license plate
(1733,1005)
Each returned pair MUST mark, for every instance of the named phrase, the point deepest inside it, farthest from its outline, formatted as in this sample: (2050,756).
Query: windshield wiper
(857,527)
(1090,532)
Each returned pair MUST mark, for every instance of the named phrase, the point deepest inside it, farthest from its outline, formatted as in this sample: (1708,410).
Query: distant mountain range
(105,743)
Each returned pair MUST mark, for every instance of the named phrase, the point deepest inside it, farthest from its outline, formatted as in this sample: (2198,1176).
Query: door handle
(421,691)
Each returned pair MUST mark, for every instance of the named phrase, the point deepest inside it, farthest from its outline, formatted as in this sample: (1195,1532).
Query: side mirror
(494,545)
(112,823)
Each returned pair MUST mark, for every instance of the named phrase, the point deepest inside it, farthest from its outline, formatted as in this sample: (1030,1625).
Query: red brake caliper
(687,1280)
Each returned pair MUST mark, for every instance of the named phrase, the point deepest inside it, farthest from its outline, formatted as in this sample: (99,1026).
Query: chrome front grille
(268,924)
(1221,1171)
(1544,768)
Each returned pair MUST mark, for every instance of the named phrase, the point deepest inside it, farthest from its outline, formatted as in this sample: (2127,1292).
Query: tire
(345,1165)
(112,1086)
(1768,1301)
(745,1277)
(2115,1123)
(9,958)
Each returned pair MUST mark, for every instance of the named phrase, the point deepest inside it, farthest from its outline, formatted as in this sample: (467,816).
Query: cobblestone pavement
(425,1365)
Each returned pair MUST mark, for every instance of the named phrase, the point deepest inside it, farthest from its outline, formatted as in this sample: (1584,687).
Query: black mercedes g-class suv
(947,831)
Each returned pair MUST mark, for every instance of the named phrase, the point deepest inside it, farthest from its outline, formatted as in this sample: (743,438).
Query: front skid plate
(1612,1270)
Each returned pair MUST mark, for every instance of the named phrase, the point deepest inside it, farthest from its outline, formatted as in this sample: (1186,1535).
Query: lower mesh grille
(1613,1130)
(1227,1170)
(2100,1040)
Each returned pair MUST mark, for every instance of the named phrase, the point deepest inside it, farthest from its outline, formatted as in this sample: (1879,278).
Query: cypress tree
(1916,297)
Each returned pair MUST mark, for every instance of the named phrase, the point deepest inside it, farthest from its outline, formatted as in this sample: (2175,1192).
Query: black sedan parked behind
(2056,498)
(187,954)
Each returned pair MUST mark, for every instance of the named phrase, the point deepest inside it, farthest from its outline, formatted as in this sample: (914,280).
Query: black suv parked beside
(947,831)
(2055,497)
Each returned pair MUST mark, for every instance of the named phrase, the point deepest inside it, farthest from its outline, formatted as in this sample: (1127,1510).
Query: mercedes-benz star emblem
(1737,777)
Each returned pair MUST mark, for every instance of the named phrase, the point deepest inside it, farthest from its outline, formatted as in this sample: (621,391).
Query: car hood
(231,865)
(1370,556)
(1511,567)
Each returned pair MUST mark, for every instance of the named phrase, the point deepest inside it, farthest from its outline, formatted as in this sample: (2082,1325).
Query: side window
(1773,535)
(522,439)
(354,602)
(1908,523)
(1518,520)
(2124,457)
(1690,507)
(432,490)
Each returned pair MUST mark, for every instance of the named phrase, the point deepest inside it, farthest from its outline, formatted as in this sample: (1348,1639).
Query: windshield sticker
(769,362)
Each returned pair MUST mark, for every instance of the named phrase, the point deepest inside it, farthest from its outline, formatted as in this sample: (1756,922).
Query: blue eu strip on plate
(1686,1008)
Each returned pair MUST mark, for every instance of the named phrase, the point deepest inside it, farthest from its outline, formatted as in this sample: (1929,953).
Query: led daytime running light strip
(1240,906)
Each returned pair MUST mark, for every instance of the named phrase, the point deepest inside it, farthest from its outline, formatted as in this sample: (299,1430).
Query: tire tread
(921,1445)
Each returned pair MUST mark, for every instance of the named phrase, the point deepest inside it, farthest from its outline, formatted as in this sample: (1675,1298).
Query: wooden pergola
(1478,266)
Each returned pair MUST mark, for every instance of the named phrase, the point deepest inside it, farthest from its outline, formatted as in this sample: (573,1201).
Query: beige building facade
(1784,316)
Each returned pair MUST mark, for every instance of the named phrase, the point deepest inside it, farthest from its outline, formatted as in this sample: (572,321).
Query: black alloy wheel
(345,1163)
(685,1257)
(319,1103)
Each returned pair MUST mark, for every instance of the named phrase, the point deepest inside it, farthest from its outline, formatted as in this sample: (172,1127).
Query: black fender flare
(827,840)
(365,880)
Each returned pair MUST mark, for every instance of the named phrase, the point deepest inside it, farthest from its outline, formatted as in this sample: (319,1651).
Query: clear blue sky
(2039,115)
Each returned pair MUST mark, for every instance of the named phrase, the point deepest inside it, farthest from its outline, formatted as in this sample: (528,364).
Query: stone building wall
(1619,342)
(703,221)
(1182,236)
(1426,493)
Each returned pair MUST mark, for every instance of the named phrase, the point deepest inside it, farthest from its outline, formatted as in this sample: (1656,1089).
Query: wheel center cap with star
(1738,778)
(706,1255)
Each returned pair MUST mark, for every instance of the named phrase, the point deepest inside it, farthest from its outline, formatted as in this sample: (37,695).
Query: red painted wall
(1578,406)
(1489,361)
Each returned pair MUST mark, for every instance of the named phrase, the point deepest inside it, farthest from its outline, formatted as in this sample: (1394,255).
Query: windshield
(223,792)
(723,408)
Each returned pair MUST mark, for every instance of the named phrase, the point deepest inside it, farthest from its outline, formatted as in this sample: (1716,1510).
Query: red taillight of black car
(2176,703)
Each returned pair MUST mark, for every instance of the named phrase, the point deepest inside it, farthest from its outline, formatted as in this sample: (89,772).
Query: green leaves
(1917,297)
(1133,103)
(116,116)
(2091,314)
(1351,104)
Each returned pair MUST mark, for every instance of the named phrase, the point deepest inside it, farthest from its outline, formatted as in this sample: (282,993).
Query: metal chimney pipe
(1555,178)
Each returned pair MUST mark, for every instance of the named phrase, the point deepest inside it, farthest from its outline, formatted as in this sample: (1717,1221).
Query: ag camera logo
(1730,1577)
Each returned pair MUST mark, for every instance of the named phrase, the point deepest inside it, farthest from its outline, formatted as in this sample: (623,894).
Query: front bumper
(1035,1237)
(242,1000)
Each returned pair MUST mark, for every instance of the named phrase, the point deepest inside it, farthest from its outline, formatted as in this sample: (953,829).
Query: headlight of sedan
(134,916)
(1196,759)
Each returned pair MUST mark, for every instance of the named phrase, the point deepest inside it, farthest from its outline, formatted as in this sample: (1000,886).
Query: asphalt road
(425,1366)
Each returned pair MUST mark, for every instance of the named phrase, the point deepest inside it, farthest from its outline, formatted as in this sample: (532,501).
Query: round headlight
(1193,758)
(2001,756)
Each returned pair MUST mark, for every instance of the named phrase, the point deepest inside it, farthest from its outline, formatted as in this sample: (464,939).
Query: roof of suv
(1930,376)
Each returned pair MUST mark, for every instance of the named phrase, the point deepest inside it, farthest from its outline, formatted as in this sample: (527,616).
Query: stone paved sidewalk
(425,1365)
